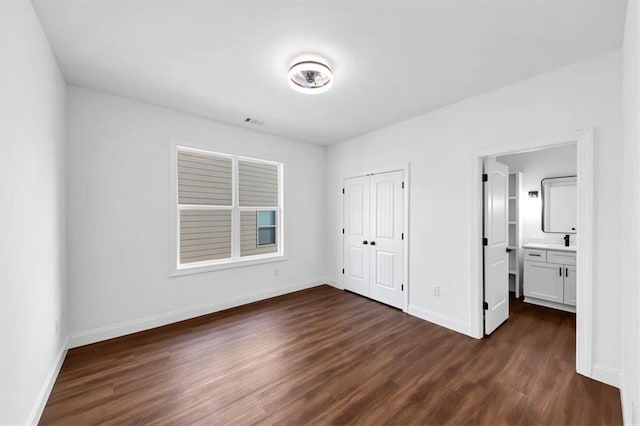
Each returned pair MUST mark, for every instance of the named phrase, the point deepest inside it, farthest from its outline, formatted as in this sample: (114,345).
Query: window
(229,208)
(266,228)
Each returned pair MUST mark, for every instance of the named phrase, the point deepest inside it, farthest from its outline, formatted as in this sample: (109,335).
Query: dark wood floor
(327,356)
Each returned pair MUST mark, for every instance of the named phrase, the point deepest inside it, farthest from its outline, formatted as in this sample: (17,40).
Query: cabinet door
(544,281)
(570,285)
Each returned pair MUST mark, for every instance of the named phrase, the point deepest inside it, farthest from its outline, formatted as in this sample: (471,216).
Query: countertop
(556,247)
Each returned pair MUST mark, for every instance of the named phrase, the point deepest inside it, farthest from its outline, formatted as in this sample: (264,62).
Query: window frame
(236,260)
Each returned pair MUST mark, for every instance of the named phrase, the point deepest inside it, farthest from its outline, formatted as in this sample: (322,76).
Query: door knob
(365,242)
(373,243)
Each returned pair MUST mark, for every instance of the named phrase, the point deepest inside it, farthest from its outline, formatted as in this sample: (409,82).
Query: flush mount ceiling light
(310,77)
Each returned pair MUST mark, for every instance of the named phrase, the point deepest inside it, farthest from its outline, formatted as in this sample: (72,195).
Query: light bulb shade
(310,77)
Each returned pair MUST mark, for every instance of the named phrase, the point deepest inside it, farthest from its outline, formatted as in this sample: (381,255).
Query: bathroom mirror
(559,204)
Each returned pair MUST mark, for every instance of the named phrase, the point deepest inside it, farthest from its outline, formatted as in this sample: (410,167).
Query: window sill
(250,261)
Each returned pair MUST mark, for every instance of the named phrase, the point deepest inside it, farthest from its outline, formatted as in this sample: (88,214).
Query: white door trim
(405,228)
(584,326)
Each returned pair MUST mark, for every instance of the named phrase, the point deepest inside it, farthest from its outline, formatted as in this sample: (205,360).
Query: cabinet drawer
(535,255)
(561,257)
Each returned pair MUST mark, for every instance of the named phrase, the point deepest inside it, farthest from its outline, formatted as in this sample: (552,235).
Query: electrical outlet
(57,327)
(276,272)
(634,414)
(436,291)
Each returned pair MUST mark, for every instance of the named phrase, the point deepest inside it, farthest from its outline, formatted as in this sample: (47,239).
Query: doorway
(374,236)
(581,270)
(530,205)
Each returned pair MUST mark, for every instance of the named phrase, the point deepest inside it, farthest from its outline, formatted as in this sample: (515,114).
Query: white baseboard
(442,320)
(333,283)
(605,374)
(47,386)
(629,409)
(146,323)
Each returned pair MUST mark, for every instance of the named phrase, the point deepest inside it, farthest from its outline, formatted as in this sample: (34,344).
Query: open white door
(387,218)
(496,233)
(356,235)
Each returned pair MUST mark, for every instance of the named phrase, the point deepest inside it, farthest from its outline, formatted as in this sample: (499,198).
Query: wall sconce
(533,194)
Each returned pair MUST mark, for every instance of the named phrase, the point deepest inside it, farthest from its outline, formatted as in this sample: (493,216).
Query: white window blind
(229,208)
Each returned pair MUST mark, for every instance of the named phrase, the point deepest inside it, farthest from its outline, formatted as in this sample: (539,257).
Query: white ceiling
(391,60)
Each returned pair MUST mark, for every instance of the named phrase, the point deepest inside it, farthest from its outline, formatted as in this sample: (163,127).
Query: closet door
(385,245)
(356,235)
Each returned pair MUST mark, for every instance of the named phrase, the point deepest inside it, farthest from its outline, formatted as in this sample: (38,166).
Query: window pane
(266,236)
(258,184)
(204,235)
(249,235)
(204,179)
(266,218)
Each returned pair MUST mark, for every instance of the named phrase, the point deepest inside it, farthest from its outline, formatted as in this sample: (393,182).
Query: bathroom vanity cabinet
(550,276)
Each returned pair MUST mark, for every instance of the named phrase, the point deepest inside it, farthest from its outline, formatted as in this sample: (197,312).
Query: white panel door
(356,235)
(544,281)
(570,285)
(387,216)
(496,258)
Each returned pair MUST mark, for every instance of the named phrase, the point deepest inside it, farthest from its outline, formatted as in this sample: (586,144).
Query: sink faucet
(566,240)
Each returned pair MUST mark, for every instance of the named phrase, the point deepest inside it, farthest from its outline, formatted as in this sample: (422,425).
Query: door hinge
(485,242)
(403,235)
(402,287)
(402,184)
(485,306)
(342,271)
(343,230)
(485,177)
(343,190)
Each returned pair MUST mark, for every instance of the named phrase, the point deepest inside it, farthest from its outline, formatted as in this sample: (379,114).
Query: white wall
(535,166)
(32,270)
(440,145)
(631,219)
(119,217)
